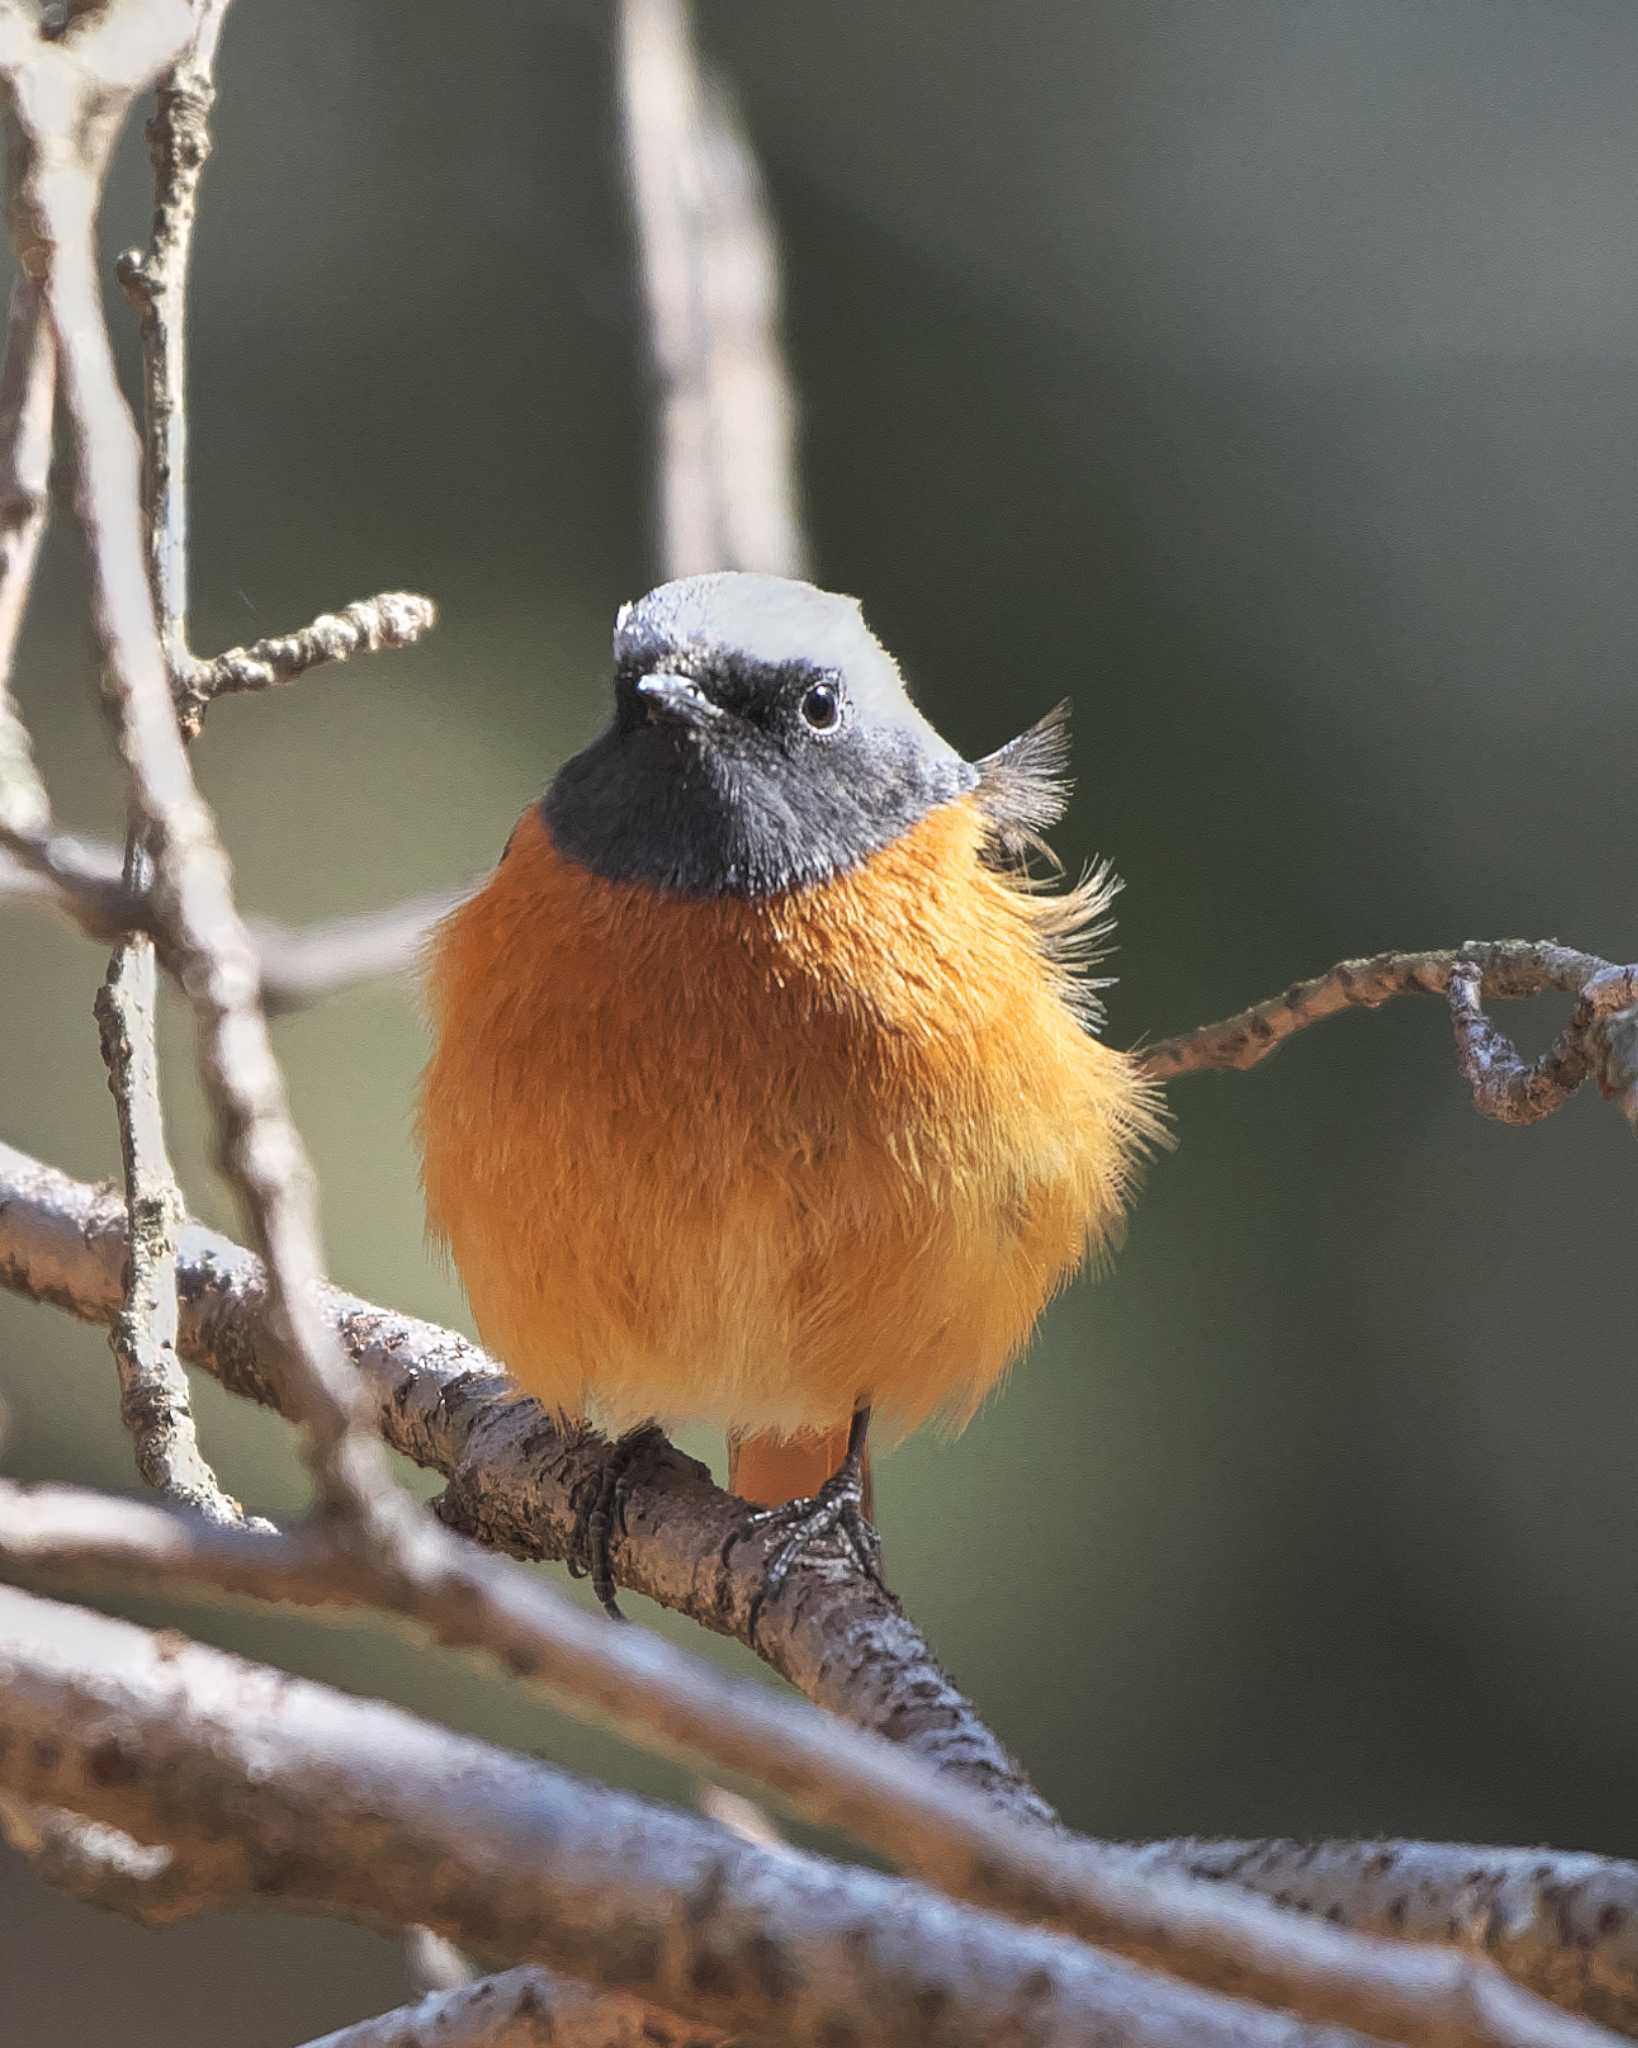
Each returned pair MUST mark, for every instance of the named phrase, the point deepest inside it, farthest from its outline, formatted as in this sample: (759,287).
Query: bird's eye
(822,707)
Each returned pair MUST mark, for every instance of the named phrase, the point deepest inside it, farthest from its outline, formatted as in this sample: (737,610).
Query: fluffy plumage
(756,1161)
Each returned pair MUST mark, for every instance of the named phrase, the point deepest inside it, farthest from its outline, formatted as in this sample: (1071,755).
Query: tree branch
(68,98)
(710,274)
(300,964)
(28,384)
(1564,1925)
(933,1831)
(397,618)
(326,1803)
(1504,1085)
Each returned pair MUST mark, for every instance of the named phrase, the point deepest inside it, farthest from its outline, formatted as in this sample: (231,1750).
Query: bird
(766,1090)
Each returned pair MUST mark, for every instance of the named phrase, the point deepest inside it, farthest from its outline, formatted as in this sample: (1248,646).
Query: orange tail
(771,1470)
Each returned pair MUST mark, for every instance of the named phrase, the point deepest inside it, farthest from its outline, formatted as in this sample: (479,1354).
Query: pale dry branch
(933,1831)
(154,1400)
(79,877)
(710,274)
(397,618)
(1504,1085)
(1565,1925)
(156,281)
(327,1803)
(442,1403)
(28,383)
(68,98)
(301,964)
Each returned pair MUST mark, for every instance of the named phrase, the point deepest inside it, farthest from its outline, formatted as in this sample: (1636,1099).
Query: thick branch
(327,1803)
(1565,1925)
(1423,1999)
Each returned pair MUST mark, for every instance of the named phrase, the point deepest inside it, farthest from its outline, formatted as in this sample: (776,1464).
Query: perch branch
(440,1402)
(1422,1998)
(515,1480)
(710,277)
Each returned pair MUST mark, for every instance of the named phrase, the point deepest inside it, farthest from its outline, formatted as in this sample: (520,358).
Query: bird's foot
(833,1518)
(604,1507)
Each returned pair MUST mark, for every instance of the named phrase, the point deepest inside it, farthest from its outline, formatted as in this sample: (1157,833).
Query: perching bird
(764,1090)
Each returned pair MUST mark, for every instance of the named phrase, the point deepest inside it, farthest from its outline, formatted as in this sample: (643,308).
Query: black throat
(734,813)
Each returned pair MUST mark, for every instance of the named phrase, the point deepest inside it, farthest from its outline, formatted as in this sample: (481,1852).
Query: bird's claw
(590,1552)
(834,1517)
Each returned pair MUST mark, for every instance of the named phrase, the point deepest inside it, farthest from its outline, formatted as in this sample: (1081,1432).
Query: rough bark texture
(329,1804)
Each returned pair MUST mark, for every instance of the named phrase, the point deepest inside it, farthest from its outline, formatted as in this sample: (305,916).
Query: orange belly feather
(757,1162)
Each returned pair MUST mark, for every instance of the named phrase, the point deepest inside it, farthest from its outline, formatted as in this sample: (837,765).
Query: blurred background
(1264,377)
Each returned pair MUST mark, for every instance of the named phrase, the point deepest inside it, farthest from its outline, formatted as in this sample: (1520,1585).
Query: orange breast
(755,1162)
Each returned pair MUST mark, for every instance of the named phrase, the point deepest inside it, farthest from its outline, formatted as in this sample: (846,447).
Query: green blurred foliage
(1263,377)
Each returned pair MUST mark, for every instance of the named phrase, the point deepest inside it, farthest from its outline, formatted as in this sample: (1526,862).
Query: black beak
(679,698)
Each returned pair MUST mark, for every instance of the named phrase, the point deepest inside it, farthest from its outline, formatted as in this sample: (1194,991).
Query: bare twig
(945,1837)
(301,964)
(710,268)
(156,281)
(68,97)
(340,1805)
(1503,1084)
(27,397)
(154,1398)
(78,877)
(396,618)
